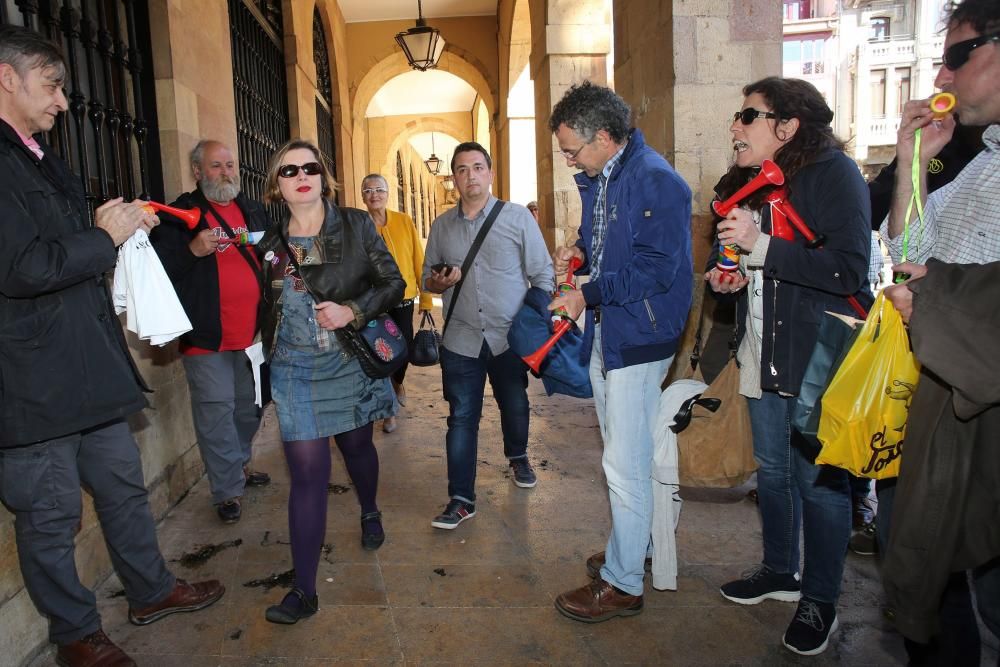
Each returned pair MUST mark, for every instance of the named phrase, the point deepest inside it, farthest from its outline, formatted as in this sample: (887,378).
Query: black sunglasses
(748,116)
(291,170)
(958,53)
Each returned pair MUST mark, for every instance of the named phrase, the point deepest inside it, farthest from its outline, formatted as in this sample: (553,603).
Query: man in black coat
(67,380)
(218,280)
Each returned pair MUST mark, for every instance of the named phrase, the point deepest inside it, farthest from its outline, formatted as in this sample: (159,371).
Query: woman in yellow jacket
(400,235)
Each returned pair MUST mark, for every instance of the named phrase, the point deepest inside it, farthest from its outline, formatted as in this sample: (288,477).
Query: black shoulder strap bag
(379,345)
(467,264)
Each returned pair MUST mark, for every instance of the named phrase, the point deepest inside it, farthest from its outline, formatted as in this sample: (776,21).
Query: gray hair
(588,108)
(25,49)
(197,153)
(371,177)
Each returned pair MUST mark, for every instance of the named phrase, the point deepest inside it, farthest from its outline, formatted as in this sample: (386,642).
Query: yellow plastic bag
(865,407)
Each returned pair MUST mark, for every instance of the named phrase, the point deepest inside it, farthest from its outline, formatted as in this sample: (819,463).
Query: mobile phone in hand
(442,268)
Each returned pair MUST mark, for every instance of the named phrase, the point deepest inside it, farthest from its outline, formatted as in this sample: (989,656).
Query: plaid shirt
(962,219)
(601,214)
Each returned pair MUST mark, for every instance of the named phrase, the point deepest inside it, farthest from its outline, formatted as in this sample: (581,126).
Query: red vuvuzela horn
(535,359)
(190,216)
(770,174)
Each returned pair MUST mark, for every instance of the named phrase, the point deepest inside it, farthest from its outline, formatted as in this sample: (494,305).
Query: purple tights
(309,466)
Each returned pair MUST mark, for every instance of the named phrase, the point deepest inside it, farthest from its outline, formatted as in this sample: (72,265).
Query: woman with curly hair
(326,268)
(782,288)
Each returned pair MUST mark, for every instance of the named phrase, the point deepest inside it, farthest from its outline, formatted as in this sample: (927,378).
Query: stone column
(681,65)
(570,46)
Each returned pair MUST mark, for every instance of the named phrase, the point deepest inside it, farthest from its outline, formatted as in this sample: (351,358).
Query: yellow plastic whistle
(941,104)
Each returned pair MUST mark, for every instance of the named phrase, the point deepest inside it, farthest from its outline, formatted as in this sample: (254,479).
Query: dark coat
(801,283)
(64,361)
(357,269)
(946,514)
(196,279)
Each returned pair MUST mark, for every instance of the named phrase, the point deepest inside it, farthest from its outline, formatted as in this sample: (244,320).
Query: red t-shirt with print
(239,290)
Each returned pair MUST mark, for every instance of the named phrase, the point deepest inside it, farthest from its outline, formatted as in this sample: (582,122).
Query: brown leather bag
(715,449)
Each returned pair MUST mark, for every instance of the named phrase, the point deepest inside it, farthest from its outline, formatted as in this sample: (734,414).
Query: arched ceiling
(407,94)
(357,11)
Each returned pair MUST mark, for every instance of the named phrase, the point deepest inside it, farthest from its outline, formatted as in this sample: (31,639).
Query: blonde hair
(272,193)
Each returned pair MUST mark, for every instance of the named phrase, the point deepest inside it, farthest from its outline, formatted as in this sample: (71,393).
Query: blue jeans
(627,401)
(793,494)
(464,381)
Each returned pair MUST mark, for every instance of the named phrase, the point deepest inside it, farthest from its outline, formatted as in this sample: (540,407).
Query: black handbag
(379,346)
(426,342)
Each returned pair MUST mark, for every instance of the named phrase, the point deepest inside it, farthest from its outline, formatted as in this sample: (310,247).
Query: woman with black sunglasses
(783,286)
(326,268)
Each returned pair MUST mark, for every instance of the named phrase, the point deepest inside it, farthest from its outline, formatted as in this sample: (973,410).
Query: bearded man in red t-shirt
(219,284)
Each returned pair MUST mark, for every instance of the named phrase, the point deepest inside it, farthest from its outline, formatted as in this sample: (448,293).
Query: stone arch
(395,64)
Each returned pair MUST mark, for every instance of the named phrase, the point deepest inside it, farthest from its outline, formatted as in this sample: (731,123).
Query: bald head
(216,171)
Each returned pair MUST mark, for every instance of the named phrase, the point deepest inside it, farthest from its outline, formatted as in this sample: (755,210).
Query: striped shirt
(962,219)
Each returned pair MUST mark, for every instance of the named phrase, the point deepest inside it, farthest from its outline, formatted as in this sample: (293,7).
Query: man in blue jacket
(635,242)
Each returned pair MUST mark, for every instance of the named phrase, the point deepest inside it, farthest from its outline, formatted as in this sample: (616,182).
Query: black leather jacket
(357,269)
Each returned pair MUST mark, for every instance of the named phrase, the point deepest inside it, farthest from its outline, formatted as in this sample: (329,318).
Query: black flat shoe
(290,614)
(371,541)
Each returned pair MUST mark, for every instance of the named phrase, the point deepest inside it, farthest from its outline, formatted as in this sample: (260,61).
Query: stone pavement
(481,594)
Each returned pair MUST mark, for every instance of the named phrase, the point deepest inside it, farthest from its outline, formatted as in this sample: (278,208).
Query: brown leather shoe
(597,601)
(184,597)
(94,650)
(596,562)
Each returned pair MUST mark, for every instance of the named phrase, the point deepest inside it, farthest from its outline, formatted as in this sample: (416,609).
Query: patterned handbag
(379,346)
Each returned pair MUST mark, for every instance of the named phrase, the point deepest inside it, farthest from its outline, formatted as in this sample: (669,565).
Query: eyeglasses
(571,155)
(747,116)
(958,53)
(368,192)
(292,170)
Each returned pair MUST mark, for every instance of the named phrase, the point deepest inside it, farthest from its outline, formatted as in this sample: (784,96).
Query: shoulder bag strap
(467,264)
(207,209)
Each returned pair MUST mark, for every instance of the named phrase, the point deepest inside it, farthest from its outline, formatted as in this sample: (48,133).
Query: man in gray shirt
(512,258)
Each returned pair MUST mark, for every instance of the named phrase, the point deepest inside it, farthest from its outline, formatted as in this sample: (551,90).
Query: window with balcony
(878,29)
(803,55)
(798,9)
(878,93)
(902,88)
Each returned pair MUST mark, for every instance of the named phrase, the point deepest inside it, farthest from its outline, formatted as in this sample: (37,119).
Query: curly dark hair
(982,15)
(788,98)
(587,108)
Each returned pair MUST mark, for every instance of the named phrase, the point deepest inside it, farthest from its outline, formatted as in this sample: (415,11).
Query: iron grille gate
(260,90)
(324,97)
(109,136)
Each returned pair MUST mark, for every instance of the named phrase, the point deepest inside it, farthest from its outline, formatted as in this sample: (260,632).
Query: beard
(222,189)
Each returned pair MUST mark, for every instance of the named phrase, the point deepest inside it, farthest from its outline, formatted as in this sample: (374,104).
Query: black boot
(371,539)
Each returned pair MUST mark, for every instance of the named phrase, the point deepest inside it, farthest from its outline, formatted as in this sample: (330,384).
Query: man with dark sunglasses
(219,285)
(946,503)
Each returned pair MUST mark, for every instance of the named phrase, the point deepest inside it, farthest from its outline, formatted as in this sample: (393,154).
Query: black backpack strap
(467,264)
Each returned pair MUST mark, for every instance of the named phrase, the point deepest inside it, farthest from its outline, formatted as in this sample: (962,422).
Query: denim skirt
(320,394)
